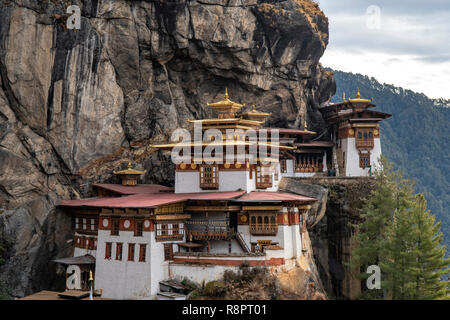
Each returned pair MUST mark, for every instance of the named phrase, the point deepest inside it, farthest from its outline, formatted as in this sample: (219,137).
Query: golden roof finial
(306,126)
(253,108)
(358,95)
(130,170)
(343,96)
(226,94)
(91,278)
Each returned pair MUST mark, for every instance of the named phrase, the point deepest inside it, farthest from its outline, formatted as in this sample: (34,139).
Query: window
(168,251)
(364,160)
(94,225)
(77,223)
(175,229)
(119,251)
(263,223)
(142,249)
(169,231)
(365,137)
(115,227)
(131,252)
(84,223)
(283,166)
(138,228)
(108,250)
(263,177)
(209,177)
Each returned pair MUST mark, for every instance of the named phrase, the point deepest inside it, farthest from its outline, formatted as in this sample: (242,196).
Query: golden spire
(226,94)
(306,127)
(87,249)
(358,98)
(343,96)
(253,108)
(91,278)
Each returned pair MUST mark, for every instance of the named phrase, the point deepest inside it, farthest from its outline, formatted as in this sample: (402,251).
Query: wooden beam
(261,208)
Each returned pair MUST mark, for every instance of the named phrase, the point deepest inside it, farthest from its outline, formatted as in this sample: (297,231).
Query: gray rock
(76,104)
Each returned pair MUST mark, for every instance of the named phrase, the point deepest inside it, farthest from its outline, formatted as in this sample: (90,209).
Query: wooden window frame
(364,138)
(162,231)
(142,252)
(263,223)
(131,249)
(263,180)
(115,226)
(108,250)
(283,166)
(364,160)
(139,228)
(119,251)
(168,251)
(209,176)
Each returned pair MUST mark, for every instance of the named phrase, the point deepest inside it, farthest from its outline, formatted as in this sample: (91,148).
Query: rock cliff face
(74,104)
(331,228)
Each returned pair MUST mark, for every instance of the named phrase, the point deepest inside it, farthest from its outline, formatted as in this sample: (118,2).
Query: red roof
(138,189)
(274,196)
(150,200)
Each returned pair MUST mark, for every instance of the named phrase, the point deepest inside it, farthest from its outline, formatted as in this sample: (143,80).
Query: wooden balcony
(364,143)
(169,237)
(267,230)
(208,234)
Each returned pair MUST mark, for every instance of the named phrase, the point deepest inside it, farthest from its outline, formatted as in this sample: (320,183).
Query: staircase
(241,241)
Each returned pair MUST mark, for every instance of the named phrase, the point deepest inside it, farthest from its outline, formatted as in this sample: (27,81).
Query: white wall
(189,181)
(352,168)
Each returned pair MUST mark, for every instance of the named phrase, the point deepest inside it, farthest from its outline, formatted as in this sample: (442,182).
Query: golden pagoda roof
(358,98)
(129,170)
(255,112)
(226,103)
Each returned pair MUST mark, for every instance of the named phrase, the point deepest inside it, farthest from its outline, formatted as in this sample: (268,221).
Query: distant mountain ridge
(416,139)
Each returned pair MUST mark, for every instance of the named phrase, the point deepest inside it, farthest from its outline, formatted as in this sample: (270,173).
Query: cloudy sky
(401,42)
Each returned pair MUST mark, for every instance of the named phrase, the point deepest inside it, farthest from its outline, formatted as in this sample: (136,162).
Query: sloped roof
(138,189)
(86,259)
(274,196)
(150,200)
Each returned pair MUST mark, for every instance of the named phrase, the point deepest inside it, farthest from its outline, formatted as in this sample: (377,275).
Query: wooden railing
(169,237)
(207,229)
(364,143)
(268,229)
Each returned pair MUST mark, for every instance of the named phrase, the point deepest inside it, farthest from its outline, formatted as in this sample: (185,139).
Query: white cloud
(410,49)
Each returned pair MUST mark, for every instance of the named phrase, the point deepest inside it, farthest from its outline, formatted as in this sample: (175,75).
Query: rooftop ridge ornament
(358,98)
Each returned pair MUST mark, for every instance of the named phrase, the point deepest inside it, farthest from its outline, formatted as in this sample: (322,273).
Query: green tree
(401,236)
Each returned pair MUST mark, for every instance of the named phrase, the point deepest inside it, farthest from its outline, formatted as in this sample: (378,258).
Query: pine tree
(430,266)
(399,235)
